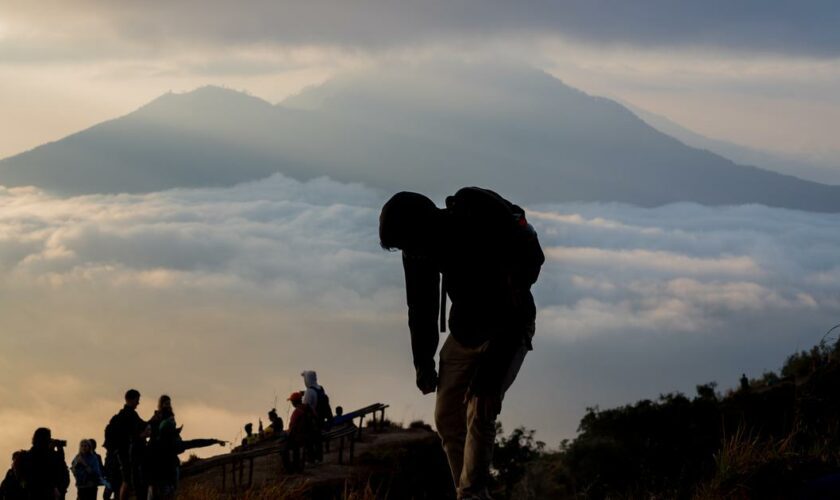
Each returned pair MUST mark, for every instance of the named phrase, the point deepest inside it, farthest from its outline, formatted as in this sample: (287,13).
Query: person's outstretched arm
(190,444)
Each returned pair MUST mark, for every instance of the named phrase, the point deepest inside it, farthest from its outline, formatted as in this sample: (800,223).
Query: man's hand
(427,380)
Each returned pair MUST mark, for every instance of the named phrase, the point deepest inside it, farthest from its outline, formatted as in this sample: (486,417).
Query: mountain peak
(426,128)
(209,98)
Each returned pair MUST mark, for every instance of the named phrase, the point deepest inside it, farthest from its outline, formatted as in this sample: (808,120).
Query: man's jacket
(488,266)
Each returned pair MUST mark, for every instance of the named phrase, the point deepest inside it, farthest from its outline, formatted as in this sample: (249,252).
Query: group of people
(479,251)
(38,473)
(303,441)
(141,459)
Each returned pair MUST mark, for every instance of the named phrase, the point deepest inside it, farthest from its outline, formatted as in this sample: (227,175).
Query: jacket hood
(310,379)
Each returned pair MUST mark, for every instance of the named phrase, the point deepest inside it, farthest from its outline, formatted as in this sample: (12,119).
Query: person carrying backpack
(481,253)
(317,399)
(125,442)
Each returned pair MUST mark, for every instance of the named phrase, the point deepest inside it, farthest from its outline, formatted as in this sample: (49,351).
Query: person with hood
(316,397)
(87,471)
(481,253)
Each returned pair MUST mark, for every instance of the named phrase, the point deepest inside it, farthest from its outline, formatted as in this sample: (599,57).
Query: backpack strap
(443,304)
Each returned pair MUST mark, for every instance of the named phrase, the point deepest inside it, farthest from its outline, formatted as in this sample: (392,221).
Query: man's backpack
(323,412)
(487,213)
(115,435)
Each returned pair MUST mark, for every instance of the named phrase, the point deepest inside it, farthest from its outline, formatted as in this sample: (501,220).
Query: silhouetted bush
(765,440)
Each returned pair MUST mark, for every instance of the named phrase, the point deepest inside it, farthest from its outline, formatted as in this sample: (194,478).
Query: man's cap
(296,397)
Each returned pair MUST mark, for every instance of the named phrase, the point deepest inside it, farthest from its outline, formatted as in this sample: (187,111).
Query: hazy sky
(222,296)
(759,73)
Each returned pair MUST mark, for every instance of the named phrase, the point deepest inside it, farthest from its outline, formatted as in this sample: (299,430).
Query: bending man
(488,256)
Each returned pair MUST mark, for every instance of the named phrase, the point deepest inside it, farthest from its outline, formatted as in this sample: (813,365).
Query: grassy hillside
(774,437)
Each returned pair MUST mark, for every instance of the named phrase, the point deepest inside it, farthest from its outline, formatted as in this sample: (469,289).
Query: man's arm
(191,444)
(140,428)
(422,290)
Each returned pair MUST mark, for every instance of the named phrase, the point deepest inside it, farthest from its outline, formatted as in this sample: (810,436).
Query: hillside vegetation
(774,437)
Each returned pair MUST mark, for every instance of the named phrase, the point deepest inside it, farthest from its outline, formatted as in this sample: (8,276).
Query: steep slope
(778,162)
(428,128)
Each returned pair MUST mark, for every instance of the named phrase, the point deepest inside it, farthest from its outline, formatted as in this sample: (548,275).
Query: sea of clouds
(220,297)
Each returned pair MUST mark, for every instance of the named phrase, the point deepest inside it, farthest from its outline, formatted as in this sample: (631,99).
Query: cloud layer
(221,297)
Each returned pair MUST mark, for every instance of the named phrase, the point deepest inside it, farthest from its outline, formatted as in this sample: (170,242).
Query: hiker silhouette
(11,488)
(87,470)
(125,442)
(162,466)
(488,257)
(275,427)
(42,469)
(303,435)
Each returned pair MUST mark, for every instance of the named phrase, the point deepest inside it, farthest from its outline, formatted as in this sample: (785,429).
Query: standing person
(302,427)
(87,471)
(126,434)
(488,256)
(98,459)
(164,466)
(316,398)
(43,470)
(164,409)
(152,465)
(12,486)
(112,464)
